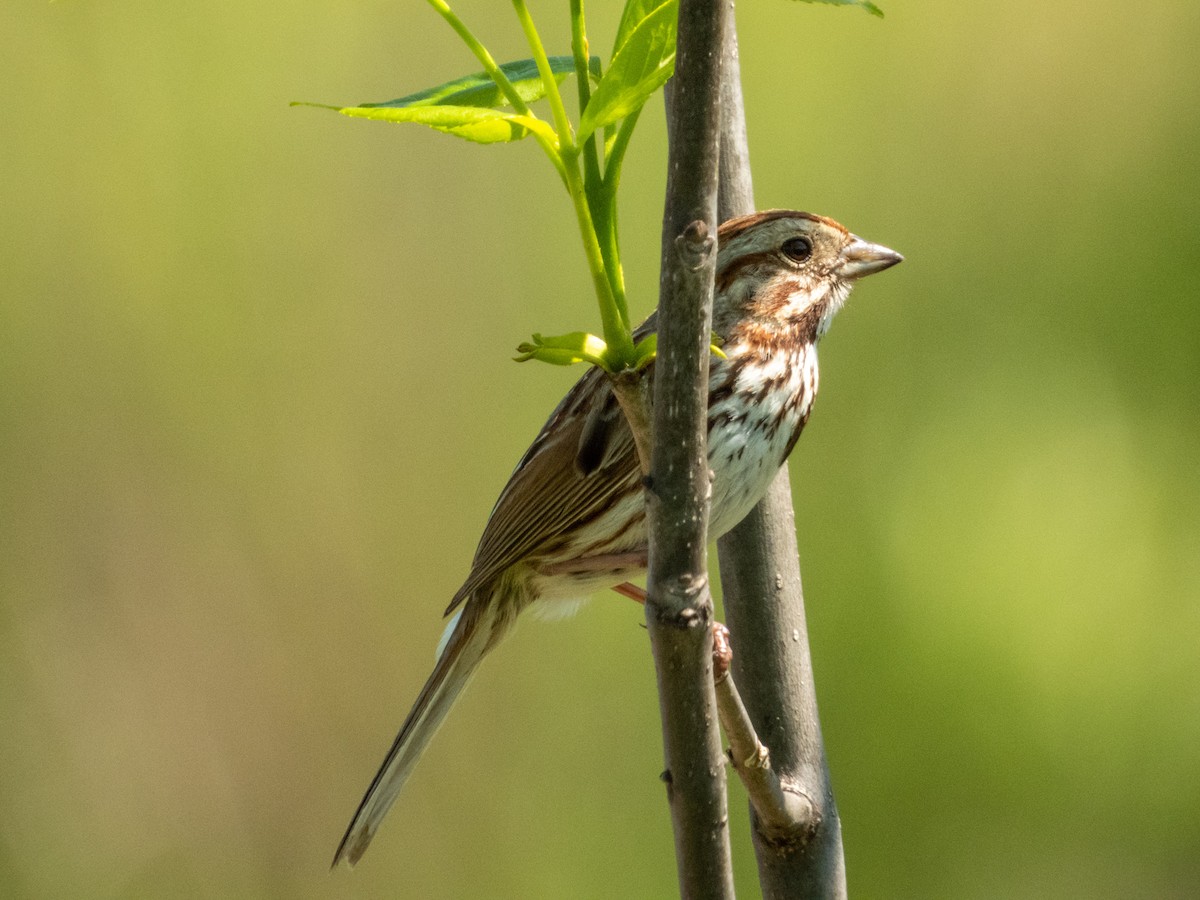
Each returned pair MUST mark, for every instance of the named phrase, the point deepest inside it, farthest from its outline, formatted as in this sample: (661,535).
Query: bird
(571,520)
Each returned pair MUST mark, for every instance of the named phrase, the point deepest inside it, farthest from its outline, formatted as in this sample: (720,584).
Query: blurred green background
(256,402)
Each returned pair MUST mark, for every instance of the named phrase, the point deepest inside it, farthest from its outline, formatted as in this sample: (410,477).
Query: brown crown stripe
(733,227)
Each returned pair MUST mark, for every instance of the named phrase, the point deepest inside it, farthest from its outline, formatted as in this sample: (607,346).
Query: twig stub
(695,245)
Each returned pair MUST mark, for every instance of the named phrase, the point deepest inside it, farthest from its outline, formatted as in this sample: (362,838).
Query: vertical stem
(679,611)
(579,49)
(613,315)
(608,191)
(735,193)
(602,203)
(764,609)
(604,211)
(562,124)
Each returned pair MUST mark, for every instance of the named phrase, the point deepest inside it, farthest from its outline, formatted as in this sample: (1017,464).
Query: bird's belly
(744,460)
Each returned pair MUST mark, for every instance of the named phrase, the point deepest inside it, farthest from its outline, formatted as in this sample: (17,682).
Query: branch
(679,608)
(764,608)
(633,393)
(781,810)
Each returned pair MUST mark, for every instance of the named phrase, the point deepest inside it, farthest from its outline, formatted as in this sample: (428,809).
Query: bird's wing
(582,457)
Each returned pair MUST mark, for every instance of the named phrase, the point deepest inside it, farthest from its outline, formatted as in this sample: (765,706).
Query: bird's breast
(758,405)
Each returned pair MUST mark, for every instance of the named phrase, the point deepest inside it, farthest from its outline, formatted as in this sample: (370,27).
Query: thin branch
(735,193)
(784,811)
(679,608)
(764,608)
(781,810)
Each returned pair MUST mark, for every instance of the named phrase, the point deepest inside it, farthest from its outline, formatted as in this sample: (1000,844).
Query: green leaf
(483,126)
(641,65)
(565,349)
(635,11)
(645,350)
(865,4)
(479,89)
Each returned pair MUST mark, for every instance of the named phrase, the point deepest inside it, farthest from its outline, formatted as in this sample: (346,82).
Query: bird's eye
(797,249)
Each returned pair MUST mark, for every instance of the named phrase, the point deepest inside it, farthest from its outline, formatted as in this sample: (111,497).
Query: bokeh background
(256,402)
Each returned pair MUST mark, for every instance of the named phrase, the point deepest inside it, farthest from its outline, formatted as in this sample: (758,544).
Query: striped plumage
(571,520)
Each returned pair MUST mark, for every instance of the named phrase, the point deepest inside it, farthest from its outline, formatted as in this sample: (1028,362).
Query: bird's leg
(722,652)
(632,591)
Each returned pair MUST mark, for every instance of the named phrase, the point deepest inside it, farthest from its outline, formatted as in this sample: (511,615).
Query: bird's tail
(469,639)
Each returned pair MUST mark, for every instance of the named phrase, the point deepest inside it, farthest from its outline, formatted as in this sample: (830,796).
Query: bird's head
(786,272)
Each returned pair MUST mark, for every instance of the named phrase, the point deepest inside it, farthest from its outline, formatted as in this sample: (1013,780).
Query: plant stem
(616,155)
(562,123)
(579,48)
(764,608)
(613,315)
(609,239)
(679,610)
(555,157)
(604,206)
(481,53)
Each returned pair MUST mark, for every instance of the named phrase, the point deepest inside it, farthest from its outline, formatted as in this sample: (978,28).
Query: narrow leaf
(633,14)
(645,350)
(483,126)
(479,90)
(643,63)
(564,349)
(864,4)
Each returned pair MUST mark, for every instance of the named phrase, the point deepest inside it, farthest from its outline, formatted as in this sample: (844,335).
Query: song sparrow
(571,520)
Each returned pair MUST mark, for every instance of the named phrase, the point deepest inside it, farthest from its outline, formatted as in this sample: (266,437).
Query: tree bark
(679,611)
(764,607)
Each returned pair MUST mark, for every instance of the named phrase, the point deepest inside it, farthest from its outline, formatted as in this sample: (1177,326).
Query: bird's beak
(861,258)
